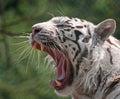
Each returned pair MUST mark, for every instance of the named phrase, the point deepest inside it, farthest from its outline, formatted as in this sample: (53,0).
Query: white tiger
(86,56)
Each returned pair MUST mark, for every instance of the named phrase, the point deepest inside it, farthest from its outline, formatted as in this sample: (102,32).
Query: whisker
(61,12)
(46,59)
(26,41)
(26,54)
(54,54)
(49,59)
(18,49)
(38,57)
(33,56)
(56,48)
(23,52)
(29,59)
(23,56)
(21,46)
(24,37)
(51,14)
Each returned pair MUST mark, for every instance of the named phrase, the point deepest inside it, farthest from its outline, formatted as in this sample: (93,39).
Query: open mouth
(62,63)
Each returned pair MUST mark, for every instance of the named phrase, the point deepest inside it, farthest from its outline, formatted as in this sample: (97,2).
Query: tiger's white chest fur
(86,56)
(102,79)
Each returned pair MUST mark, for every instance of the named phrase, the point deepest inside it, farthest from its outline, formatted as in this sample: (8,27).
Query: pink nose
(36,30)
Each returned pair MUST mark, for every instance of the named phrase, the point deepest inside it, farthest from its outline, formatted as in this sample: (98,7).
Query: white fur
(86,82)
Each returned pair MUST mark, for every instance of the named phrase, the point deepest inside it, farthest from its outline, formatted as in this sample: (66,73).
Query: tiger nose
(36,30)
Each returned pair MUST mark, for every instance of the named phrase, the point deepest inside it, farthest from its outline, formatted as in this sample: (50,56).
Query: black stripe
(76,42)
(77,34)
(113,85)
(118,95)
(76,54)
(80,59)
(71,75)
(111,59)
(104,80)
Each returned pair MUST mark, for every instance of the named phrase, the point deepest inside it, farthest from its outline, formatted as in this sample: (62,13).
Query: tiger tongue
(58,82)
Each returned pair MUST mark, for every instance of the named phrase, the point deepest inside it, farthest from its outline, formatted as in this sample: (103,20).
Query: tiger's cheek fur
(74,42)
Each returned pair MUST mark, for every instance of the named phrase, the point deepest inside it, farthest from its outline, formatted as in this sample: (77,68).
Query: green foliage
(22,74)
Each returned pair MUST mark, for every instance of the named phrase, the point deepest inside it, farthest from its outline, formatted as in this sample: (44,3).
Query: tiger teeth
(41,47)
(58,83)
(35,46)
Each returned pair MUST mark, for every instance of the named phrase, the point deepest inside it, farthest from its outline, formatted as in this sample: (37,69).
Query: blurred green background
(23,74)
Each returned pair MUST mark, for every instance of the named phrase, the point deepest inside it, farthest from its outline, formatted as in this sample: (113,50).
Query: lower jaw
(67,91)
(58,85)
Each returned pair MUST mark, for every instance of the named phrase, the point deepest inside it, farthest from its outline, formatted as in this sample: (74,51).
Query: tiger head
(68,41)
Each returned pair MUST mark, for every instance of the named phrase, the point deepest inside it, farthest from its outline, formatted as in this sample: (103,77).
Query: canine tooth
(35,46)
(58,83)
(41,47)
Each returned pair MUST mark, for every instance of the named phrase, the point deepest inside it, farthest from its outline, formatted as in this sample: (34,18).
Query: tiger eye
(86,39)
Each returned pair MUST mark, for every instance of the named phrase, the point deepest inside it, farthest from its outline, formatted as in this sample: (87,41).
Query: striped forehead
(75,23)
(67,20)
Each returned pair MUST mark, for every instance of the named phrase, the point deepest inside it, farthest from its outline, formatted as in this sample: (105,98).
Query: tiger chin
(86,56)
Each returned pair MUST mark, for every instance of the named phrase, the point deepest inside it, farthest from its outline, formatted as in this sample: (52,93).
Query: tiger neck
(91,71)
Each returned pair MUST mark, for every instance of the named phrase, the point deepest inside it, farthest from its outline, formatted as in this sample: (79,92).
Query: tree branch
(9,33)
(24,19)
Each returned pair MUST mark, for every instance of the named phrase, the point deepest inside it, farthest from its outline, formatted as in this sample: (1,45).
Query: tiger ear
(105,29)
